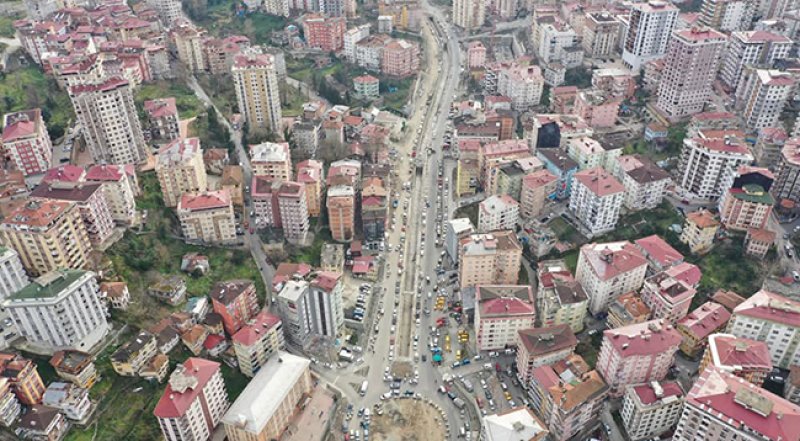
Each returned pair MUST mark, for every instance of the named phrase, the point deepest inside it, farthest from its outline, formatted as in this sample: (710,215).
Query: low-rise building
(660,255)
(235,301)
(207,217)
(695,328)
(24,377)
(742,357)
(541,346)
(645,183)
(134,354)
(501,311)
(758,242)
(366,87)
(257,341)
(71,400)
(791,389)
(518,421)
(75,366)
(627,309)
(163,123)
(667,297)
(10,408)
(498,213)
(233,181)
(43,423)
(272,160)
(699,231)
(171,290)
(650,409)
(115,294)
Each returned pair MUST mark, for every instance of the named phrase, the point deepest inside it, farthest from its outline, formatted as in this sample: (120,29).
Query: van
(363,390)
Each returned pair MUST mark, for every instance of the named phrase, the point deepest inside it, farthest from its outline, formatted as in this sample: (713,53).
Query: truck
(364,386)
(459,403)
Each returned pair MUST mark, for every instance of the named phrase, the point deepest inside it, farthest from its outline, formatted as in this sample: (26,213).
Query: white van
(364,387)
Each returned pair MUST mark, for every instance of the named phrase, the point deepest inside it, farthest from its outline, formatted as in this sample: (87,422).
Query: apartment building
(207,217)
(761,96)
(324,33)
(650,409)
(130,358)
(609,270)
(469,14)
(627,309)
(351,37)
(194,401)
(312,308)
(180,169)
(10,408)
(536,189)
(667,297)
(455,231)
(255,79)
(168,10)
(119,187)
(366,87)
(695,328)
(569,398)
(555,38)
(638,353)
(601,34)
(560,298)
(12,274)
(400,59)
(489,259)
(501,311)
(257,341)
(660,254)
(523,84)
(267,405)
(542,346)
(648,31)
(745,48)
(699,231)
(476,55)
(110,121)
(727,15)
(787,177)
(189,45)
(47,235)
(519,420)
(589,153)
(498,213)
(645,182)
(91,202)
(75,366)
(722,407)
(772,319)
(706,164)
(742,357)
(341,202)
(596,200)
(23,376)
(369,51)
(236,303)
(26,141)
(310,173)
(747,203)
(690,69)
(272,160)
(39,311)
(281,205)
(71,400)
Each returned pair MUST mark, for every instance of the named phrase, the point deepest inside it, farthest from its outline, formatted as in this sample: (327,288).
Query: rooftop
(732,354)
(599,182)
(766,305)
(648,338)
(608,260)
(49,285)
(707,318)
(703,219)
(657,249)
(207,200)
(184,386)
(538,341)
(505,300)
(518,423)
(655,392)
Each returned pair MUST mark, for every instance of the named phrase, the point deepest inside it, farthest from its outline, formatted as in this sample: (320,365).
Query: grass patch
(469,211)
(224,93)
(220,21)
(565,232)
(311,255)
(589,351)
(300,69)
(7,26)
(28,88)
(726,267)
(186,101)
(293,101)
(395,92)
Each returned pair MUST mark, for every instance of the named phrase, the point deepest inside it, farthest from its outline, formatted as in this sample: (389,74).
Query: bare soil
(408,420)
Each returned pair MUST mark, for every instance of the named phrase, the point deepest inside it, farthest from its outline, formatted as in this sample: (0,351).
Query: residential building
(235,301)
(257,341)
(773,319)
(324,33)
(542,346)
(119,188)
(722,407)
(706,164)
(489,259)
(537,187)
(38,310)
(758,242)
(233,181)
(12,274)
(601,34)
(312,309)
(71,400)
(351,37)
(645,182)
(26,141)
(265,408)
(555,38)
(690,69)
(568,397)
(110,121)
(667,297)
(648,31)
(660,255)
(699,231)
(727,15)
(207,217)
(281,205)
(23,376)
(366,87)
(501,311)
(598,109)
(637,353)
(310,174)
(170,290)
(758,48)
(180,169)
(91,203)
(695,328)
(507,178)
(518,421)
(791,389)
(469,14)
(76,367)
(115,295)
(48,235)
(523,84)
(560,298)
(589,153)
(134,354)
(650,409)
(454,231)
(10,408)
(787,177)
(557,162)
(400,58)
(43,423)
(189,45)
(609,270)
(272,160)
(498,213)
(742,357)
(627,309)
(596,200)
(369,51)
(341,202)
(747,203)
(476,55)
(761,96)
(255,79)
(168,10)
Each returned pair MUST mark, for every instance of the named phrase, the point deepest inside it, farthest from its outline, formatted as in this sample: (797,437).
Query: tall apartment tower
(110,121)
(168,10)
(26,141)
(649,29)
(255,78)
(761,96)
(469,14)
(689,71)
(759,48)
(727,15)
(12,274)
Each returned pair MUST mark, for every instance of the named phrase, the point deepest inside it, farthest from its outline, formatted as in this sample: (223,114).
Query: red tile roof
(174,403)
(608,260)
(647,395)
(599,182)
(326,280)
(728,299)
(212,341)
(766,305)
(261,324)
(549,339)
(685,272)
(64,173)
(704,320)
(729,351)
(20,125)
(104,173)
(205,200)
(161,107)
(648,338)
(656,248)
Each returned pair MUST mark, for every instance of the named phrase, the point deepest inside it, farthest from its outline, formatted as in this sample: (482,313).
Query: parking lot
(489,384)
